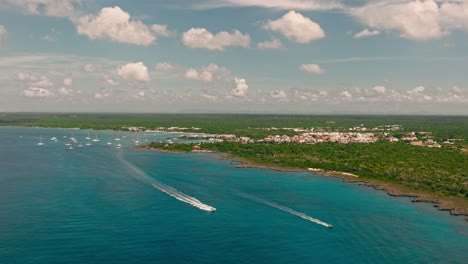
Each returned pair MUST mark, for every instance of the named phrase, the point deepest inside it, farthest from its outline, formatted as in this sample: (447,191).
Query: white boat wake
(143,177)
(284,208)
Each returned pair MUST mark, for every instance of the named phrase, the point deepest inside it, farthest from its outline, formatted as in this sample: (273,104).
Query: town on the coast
(358,134)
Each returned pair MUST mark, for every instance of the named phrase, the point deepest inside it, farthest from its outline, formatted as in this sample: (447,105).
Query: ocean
(100,204)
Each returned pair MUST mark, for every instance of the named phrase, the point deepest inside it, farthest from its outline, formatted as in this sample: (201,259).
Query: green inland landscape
(424,157)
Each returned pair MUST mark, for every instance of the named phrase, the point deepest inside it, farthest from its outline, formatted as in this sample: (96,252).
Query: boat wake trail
(284,208)
(143,177)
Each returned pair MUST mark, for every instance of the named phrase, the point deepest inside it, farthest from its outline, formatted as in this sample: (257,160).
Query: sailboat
(40,142)
(70,147)
(88,143)
(87,137)
(72,138)
(109,142)
(96,138)
(137,141)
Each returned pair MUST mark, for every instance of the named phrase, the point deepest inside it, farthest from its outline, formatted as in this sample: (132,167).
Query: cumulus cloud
(203,76)
(161,30)
(67,82)
(3,34)
(34,80)
(366,33)
(311,68)
(241,88)
(278,94)
(164,67)
(66,92)
(115,24)
(207,74)
(200,38)
(54,8)
(89,68)
(209,96)
(36,92)
(136,71)
(110,81)
(296,27)
(272,44)
(416,19)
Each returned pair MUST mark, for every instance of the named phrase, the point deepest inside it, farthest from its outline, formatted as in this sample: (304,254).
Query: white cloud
(201,38)
(36,92)
(296,27)
(209,97)
(113,23)
(203,76)
(100,96)
(366,33)
(111,81)
(272,44)
(417,90)
(65,92)
(34,80)
(67,82)
(54,8)
(274,4)
(3,34)
(207,74)
(136,71)
(161,31)
(89,68)
(278,94)
(311,68)
(241,88)
(415,20)
(346,95)
(164,67)
(457,90)
(379,89)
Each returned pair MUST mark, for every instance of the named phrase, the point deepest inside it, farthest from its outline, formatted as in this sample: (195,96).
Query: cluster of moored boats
(72,141)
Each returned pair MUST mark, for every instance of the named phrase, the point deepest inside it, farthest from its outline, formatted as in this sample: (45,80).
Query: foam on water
(143,177)
(284,208)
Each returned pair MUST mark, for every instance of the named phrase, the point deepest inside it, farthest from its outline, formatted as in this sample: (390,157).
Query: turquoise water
(99,204)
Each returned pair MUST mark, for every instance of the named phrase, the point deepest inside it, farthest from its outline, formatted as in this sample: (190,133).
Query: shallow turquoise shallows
(100,204)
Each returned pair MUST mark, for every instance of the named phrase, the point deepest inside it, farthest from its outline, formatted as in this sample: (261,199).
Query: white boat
(109,142)
(53,139)
(88,143)
(40,142)
(70,147)
(87,136)
(72,138)
(96,138)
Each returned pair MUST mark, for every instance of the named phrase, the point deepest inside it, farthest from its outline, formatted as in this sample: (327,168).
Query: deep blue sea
(100,204)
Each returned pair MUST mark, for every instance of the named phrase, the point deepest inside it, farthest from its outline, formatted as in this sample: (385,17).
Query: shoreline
(392,189)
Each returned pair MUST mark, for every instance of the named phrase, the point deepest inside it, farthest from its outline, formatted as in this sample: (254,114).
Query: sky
(235,56)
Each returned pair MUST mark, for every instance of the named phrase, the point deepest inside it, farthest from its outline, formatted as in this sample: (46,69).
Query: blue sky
(254,56)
